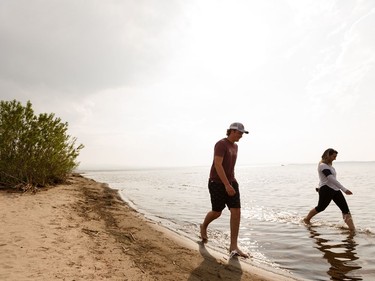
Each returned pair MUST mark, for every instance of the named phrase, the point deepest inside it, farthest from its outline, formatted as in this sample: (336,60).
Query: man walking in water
(223,187)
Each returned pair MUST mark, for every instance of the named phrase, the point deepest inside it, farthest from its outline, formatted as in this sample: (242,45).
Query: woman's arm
(331,179)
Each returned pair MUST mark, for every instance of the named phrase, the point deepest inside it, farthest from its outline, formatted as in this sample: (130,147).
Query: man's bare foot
(306,221)
(238,253)
(203,234)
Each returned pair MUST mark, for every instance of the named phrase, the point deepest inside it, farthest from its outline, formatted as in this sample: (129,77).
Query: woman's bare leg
(309,216)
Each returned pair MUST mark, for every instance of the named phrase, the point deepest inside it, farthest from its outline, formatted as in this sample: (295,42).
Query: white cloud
(80,47)
(157,83)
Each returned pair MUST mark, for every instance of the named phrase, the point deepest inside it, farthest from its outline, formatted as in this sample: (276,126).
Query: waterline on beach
(274,202)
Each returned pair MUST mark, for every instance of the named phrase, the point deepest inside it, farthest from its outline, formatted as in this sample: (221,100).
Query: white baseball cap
(239,127)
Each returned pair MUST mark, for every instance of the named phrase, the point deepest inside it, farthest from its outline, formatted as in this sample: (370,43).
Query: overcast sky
(157,83)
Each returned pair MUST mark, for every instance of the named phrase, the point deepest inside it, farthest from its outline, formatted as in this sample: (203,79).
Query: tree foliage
(34,150)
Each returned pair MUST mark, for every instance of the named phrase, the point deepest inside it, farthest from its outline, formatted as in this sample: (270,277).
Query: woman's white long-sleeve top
(327,176)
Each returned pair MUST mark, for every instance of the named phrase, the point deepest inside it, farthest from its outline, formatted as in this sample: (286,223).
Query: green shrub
(35,151)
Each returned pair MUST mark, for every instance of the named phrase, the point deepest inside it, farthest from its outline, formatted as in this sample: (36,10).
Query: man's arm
(218,162)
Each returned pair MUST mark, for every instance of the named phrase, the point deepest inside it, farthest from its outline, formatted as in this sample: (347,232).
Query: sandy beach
(82,230)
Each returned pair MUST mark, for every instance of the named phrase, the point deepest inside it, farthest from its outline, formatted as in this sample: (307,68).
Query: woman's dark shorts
(220,197)
(326,194)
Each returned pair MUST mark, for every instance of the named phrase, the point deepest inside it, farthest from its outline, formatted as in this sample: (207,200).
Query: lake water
(275,198)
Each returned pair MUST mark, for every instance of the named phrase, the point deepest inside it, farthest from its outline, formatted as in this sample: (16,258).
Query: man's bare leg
(211,216)
(235,218)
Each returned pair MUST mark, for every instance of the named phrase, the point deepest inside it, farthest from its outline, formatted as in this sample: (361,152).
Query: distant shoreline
(83,170)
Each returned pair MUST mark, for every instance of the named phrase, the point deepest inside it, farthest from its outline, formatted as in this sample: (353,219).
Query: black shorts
(220,197)
(326,195)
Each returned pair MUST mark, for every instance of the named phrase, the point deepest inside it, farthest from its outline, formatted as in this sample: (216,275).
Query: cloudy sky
(157,83)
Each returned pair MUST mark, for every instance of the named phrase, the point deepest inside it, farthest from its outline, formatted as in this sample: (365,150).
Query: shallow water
(274,201)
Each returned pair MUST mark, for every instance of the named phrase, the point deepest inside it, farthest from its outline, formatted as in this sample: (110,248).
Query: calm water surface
(274,201)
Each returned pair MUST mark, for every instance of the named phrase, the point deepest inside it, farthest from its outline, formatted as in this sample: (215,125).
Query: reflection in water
(341,256)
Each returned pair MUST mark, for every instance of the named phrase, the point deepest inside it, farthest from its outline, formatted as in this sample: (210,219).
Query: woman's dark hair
(328,152)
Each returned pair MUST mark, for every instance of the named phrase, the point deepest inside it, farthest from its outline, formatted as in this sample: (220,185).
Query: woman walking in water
(330,189)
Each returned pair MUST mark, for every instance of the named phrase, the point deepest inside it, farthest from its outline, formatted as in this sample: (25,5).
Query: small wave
(269,215)
(191,185)
(219,242)
(342,227)
(263,214)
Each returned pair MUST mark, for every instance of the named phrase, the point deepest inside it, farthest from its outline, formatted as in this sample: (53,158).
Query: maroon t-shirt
(228,150)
